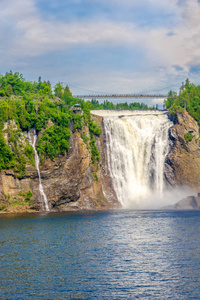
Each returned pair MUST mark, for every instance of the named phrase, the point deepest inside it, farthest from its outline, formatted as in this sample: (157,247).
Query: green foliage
(15,203)
(94,128)
(67,93)
(84,137)
(20,166)
(175,108)
(78,122)
(54,141)
(30,154)
(2,93)
(32,105)
(7,196)
(15,84)
(119,106)
(2,207)
(95,177)
(188,137)
(6,155)
(28,196)
(21,194)
(9,90)
(170,100)
(94,150)
(58,90)
(188,99)
(7,109)
(63,93)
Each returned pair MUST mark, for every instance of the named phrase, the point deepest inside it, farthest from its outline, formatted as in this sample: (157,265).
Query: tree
(67,91)
(58,90)
(9,90)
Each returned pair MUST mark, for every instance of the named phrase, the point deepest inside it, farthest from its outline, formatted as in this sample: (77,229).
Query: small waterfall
(136,149)
(42,193)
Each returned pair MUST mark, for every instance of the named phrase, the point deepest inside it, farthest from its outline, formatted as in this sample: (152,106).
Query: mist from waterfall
(136,147)
(43,196)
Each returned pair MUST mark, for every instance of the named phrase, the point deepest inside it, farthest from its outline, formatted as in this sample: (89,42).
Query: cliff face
(70,182)
(182,165)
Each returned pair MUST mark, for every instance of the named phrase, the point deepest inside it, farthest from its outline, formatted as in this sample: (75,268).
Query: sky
(105,46)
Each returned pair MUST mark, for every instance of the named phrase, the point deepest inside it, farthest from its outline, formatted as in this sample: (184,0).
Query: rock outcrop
(182,166)
(191,202)
(70,182)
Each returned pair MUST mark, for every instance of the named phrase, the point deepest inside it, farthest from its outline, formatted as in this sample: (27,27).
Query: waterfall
(37,161)
(136,147)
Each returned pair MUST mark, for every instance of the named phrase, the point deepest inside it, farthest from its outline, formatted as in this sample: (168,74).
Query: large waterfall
(137,145)
(43,196)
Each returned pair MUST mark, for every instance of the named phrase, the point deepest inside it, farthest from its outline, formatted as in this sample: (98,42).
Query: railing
(121,96)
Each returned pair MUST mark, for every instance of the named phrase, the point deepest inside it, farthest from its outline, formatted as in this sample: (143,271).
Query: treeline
(188,99)
(15,84)
(120,106)
(25,105)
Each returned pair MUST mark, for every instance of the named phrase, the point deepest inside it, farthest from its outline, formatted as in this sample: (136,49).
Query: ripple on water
(108,255)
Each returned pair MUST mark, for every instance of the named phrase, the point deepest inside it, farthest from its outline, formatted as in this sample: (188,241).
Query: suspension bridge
(106,96)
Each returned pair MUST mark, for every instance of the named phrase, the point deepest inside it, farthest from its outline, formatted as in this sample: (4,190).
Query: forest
(25,105)
(188,99)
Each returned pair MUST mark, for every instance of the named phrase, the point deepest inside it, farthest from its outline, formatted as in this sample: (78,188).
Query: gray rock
(191,202)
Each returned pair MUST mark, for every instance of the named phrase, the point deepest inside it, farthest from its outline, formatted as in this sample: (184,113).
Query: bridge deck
(122,96)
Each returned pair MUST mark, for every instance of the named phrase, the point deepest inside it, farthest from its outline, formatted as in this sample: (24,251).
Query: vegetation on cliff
(25,105)
(188,99)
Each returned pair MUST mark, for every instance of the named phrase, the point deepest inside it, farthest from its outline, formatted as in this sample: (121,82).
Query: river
(121,254)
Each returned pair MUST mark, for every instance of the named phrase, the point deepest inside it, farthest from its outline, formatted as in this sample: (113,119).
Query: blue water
(103,255)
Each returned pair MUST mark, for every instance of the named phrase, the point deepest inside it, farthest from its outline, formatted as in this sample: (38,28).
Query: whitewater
(43,196)
(136,145)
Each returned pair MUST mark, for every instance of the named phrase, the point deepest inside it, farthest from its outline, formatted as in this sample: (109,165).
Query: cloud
(178,68)
(195,69)
(170,33)
(162,49)
(35,36)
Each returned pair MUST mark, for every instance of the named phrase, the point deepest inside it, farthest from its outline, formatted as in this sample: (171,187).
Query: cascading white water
(136,149)
(41,190)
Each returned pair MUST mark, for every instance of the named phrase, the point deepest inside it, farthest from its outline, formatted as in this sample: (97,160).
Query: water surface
(102,255)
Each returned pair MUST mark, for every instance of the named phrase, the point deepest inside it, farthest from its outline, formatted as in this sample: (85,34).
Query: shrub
(2,93)
(94,150)
(28,196)
(84,137)
(30,154)
(2,207)
(55,141)
(5,155)
(95,177)
(78,122)
(188,137)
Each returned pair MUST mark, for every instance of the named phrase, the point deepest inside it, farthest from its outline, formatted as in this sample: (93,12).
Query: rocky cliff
(182,165)
(70,182)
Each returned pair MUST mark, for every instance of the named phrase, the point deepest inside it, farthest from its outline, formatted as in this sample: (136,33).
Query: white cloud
(35,36)
(32,36)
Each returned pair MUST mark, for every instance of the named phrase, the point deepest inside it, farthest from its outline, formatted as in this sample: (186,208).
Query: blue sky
(102,45)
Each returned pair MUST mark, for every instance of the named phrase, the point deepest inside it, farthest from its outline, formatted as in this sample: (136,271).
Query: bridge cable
(106,93)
